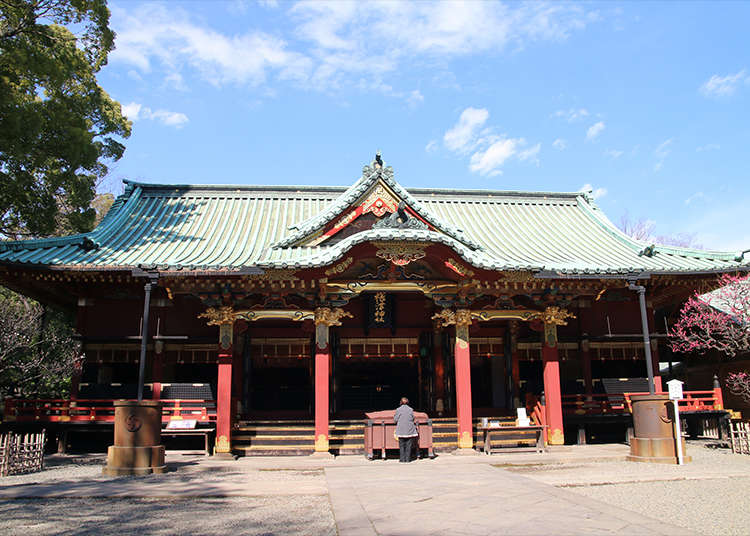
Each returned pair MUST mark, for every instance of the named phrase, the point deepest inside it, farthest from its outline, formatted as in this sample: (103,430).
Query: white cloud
(431,146)
(708,147)
(572,114)
(596,193)
(136,112)
(663,149)
(613,153)
(559,144)
(153,36)
(695,197)
(489,151)
(723,86)
(414,97)
(531,154)
(661,152)
(330,45)
(487,162)
(463,135)
(594,130)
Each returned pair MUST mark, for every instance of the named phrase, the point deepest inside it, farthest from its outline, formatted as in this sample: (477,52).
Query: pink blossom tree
(718,321)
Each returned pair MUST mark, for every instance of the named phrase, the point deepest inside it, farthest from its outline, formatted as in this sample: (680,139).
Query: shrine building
(302,307)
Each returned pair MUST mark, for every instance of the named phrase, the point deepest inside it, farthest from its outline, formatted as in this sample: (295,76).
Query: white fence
(21,453)
(739,433)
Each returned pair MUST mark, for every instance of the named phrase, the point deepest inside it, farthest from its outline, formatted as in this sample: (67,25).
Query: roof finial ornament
(378,160)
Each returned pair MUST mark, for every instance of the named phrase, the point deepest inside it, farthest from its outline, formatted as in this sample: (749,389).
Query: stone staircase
(346,436)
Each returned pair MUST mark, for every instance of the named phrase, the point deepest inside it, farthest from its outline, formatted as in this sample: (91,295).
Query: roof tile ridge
(89,239)
(239,187)
(644,248)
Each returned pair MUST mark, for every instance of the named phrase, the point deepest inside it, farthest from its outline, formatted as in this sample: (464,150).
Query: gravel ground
(715,506)
(309,515)
(710,495)
(285,514)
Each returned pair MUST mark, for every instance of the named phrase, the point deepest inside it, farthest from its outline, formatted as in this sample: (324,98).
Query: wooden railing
(79,411)
(537,413)
(620,404)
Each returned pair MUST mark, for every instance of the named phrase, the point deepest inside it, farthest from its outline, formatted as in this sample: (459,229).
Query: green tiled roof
(190,227)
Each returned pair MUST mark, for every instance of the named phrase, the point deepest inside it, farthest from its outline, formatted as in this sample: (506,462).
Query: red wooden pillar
(551,360)
(324,319)
(439,366)
(224,391)
(463,380)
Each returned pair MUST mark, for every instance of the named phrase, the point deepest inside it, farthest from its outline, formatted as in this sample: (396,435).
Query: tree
(643,230)
(58,128)
(718,321)
(38,354)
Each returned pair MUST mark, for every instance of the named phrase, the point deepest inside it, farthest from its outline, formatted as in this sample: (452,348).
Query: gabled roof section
(376,184)
(239,228)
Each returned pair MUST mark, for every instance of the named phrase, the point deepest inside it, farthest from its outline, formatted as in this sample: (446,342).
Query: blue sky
(646,103)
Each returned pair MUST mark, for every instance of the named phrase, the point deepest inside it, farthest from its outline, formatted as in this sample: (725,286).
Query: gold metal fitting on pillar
(553,317)
(325,317)
(223,317)
(461,318)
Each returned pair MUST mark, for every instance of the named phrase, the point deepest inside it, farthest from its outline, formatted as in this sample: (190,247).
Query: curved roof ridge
(479,192)
(645,248)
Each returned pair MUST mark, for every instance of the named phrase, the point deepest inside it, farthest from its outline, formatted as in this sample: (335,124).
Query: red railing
(537,413)
(600,404)
(99,410)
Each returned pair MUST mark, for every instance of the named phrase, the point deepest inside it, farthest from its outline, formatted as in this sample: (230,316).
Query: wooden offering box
(380,429)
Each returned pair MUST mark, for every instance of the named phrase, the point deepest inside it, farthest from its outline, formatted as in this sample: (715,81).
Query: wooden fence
(739,433)
(21,453)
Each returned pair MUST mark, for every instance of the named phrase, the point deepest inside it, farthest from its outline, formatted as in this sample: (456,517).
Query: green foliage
(38,354)
(58,128)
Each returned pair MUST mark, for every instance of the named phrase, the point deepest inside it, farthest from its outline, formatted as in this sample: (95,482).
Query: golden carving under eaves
(400,253)
(340,267)
(275,275)
(459,318)
(330,317)
(517,277)
(217,316)
(556,316)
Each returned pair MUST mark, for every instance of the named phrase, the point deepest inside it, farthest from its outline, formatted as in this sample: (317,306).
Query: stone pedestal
(137,449)
(653,424)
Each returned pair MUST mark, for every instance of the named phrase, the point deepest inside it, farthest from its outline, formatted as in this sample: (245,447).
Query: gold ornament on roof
(274,275)
(517,277)
(400,253)
(556,316)
(459,318)
(217,316)
(379,202)
(340,267)
(330,317)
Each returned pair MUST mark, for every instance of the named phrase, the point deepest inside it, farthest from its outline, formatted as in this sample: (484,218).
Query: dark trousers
(404,448)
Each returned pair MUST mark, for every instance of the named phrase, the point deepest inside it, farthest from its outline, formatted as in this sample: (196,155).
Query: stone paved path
(468,499)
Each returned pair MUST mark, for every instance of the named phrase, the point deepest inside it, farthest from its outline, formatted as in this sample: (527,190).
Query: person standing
(406,430)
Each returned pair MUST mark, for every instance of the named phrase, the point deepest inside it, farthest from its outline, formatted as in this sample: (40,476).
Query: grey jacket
(404,419)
